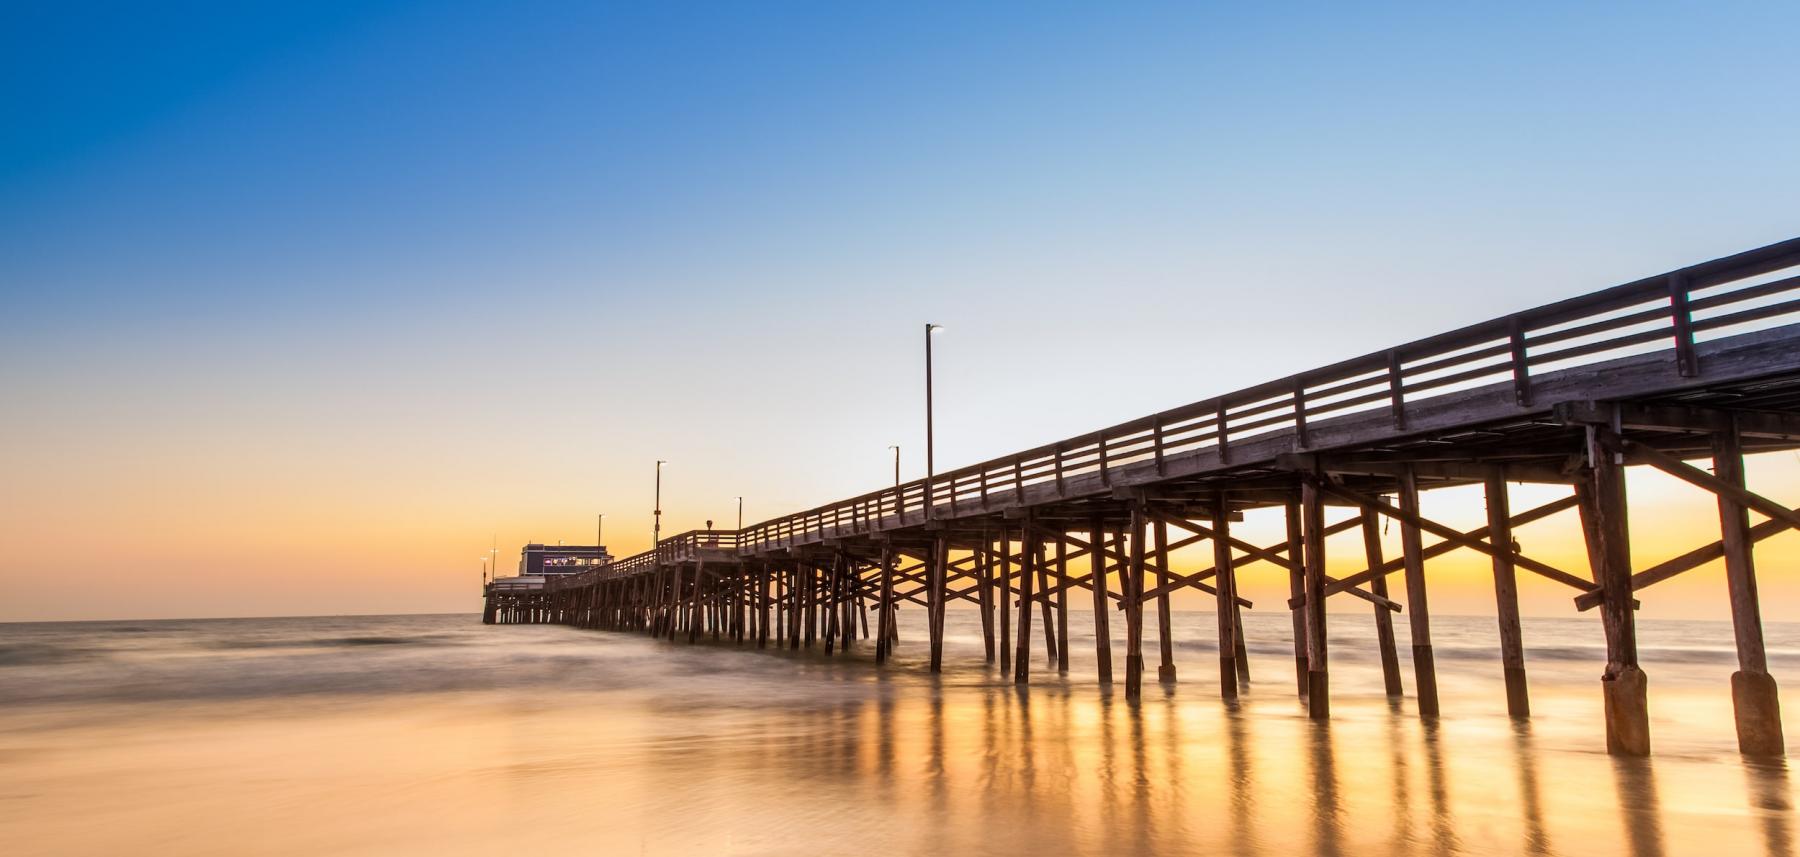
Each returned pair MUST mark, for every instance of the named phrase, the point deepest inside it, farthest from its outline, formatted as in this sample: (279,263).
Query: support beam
(1062,605)
(1272,555)
(940,551)
(1686,562)
(1448,534)
(1226,605)
(1297,589)
(1506,595)
(1045,609)
(1005,602)
(1027,571)
(1102,630)
(1623,685)
(1384,619)
(1755,703)
(1318,685)
(884,611)
(1165,670)
(1444,547)
(985,569)
(1419,615)
(1134,601)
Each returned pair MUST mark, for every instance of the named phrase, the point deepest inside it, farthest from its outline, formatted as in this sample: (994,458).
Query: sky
(305,306)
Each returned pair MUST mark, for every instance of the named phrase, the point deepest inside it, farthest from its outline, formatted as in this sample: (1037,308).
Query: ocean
(436,734)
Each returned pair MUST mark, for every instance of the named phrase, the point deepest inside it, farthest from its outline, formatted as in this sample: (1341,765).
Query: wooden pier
(1696,365)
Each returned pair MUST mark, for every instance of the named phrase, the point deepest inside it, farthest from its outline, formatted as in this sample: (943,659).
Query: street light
(929,447)
(656,527)
(740,514)
(600,531)
(896,450)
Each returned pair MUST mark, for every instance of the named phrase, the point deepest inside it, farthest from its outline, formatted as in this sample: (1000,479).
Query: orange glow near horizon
(206,545)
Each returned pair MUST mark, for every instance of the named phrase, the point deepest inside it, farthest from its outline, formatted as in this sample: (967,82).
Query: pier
(1685,372)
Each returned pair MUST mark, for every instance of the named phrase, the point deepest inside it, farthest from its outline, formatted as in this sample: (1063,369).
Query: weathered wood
(986,603)
(1165,670)
(1318,693)
(1062,605)
(1623,685)
(1686,562)
(940,551)
(1297,588)
(1695,476)
(1225,605)
(1756,705)
(1384,619)
(1447,546)
(1102,631)
(1134,600)
(1506,595)
(1448,534)
(1027,570)
(1051,642)
(884,644)
(1419,615)
(1005,602)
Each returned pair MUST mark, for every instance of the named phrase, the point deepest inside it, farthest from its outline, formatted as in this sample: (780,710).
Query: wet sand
(436,735)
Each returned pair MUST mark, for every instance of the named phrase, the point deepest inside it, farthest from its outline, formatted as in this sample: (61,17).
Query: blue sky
(492,258)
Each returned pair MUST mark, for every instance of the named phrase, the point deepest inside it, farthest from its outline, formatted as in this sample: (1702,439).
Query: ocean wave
(41,654)
(320,642)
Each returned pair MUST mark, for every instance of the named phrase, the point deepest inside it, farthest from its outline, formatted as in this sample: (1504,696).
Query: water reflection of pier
(993,770)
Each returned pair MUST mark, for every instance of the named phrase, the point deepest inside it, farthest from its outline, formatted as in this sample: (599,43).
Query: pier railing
(1670,313)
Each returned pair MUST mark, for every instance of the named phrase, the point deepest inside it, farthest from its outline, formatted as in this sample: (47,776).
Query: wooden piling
(1506,594)
(1296,544)
(1755,704)
(1384,618)
(1623,685)
(1418,616)
(937,575)
(1134,604)
(1062,603)
(884,611)
(1097,566)
(1318,685)
(1051,642)
(984,593)
(1027,570)
(1004,592)
(1225,600)
(1165,668)
(763,597)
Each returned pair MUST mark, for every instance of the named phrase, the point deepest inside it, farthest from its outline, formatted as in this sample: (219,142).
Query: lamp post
(740,514)
(929,446)
(494,555)
(656,527)
(484,572)
(600,531)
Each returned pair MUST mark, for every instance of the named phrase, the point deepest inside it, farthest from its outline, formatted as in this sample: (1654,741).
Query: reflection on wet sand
(1066,773)
(792,751)
(1773,798)
(1443,826)
(1638,806)
(1537,839)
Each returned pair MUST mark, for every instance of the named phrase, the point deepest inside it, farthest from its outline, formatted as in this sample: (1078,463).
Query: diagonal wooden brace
(1780,517)
(1448,533)
(1446,546)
